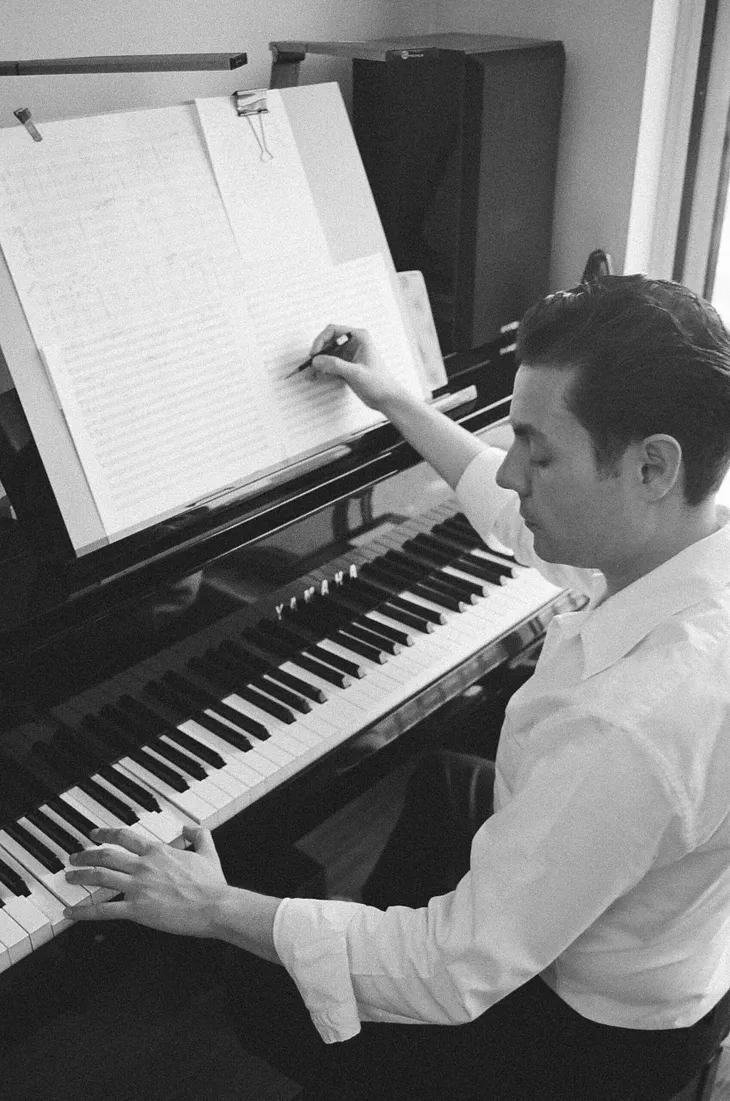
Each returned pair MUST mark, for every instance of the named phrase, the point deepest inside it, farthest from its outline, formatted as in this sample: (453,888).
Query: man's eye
(539,462)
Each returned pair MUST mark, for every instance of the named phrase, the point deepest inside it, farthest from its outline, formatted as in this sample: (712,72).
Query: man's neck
(689,527)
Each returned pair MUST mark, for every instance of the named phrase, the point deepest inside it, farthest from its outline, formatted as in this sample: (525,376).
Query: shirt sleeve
(494,512)
(584,828)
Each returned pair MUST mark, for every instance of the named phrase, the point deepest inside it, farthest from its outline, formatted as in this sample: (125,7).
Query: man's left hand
(165,888)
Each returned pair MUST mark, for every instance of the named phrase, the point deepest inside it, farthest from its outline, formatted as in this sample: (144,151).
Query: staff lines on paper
(101,236)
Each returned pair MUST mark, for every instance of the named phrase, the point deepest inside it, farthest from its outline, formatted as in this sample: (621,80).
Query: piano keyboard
(206,728)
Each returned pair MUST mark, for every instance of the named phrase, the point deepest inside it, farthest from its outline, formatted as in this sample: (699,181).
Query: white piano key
(69,893)
(40,897)
(107,819)
(197,809)
(96,894)
(151,825)
(13,938)
(204,788)
(33,921)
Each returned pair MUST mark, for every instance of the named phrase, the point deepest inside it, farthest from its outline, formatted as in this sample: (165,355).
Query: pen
(326,350)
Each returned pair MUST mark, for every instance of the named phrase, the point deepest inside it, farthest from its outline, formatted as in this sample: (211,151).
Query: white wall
(76,28)
(606,43)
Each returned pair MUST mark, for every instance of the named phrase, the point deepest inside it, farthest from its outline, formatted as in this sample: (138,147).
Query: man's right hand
(360,367)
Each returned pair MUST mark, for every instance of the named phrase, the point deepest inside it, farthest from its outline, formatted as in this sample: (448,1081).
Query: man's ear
(660,464)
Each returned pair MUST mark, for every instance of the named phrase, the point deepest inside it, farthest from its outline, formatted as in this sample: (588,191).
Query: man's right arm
(445,445)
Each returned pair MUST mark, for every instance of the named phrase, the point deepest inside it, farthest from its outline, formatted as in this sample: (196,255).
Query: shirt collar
(609,630)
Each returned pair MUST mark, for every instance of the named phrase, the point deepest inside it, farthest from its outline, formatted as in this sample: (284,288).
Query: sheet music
(264,187)
(289,308)
(110,217)
(167,350)
(164,414)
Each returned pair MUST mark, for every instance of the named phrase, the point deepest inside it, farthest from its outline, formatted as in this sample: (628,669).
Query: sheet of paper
(123,257)
(263,184)
(163,414)
(288,308)
(111,217)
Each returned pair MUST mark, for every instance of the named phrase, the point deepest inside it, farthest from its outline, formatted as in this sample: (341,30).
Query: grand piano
(251,669)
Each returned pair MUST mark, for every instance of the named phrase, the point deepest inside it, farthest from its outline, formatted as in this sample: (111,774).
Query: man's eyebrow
(525,431)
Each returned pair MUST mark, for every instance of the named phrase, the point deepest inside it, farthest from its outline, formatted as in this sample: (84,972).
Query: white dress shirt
(606,865)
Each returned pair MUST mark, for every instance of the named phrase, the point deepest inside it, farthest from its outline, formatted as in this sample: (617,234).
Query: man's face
(578,515)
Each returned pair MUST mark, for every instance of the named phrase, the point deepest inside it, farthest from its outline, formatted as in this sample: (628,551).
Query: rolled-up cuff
(309,937)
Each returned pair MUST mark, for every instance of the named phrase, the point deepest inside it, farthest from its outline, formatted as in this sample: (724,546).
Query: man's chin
(543,547)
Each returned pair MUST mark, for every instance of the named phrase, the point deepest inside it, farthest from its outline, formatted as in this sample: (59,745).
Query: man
(585,952)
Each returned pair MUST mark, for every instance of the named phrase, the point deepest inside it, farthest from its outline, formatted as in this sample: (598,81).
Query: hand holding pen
(331,347)
(361,367)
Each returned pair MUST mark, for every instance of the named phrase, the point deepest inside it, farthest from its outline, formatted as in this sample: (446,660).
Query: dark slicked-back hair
(652,356)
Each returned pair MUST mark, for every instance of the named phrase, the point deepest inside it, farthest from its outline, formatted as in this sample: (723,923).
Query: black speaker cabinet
(459,138)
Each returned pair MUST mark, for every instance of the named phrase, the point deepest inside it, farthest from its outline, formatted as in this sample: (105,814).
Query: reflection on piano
(314,651)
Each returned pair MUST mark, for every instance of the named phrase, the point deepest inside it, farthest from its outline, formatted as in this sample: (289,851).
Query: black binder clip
(22,114)
(252,105)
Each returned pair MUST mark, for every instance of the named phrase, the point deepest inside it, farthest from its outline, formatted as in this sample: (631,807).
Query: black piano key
(384,630)
(380,578)
(493,572)
(351,641)
(456,586)
(457,534)
(267,683)
(428,550)
(306,622)
(56,833)
(271,633)
(129,788)
(286,696)
(436,595)
(196,748)
(343,664)
(34,847)
(314,651)
(181,760)
(166,773)
(179,704)
(175,756)
(462,526)
(74,817)
(153,722)
(368,630)
(299,631)
(12,880)
(184,704)
(186,741)
(106,799)
(208,701)
(349,625)
(324,672)
(246,692)
(496,569)
(460,588)
(310,691)
(356,597)
(401,610)
(235,738)
(410,567)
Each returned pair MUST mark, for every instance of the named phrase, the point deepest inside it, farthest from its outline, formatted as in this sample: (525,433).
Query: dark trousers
(531,1045)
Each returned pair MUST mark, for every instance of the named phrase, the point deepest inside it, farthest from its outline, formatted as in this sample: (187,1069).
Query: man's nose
(510,474)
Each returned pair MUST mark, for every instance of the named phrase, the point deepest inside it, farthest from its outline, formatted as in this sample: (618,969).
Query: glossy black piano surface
(251,669)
